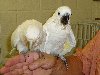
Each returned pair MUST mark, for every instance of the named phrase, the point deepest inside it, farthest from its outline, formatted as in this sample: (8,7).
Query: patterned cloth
(90,56)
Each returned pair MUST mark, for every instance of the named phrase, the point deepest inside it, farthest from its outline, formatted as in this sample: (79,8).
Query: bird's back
(29,29)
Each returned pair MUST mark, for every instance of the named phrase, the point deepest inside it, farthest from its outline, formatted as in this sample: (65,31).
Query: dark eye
(58,13)
(71,14)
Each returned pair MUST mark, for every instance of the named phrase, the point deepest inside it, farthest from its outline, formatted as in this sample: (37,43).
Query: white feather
(58,34)
(29,31)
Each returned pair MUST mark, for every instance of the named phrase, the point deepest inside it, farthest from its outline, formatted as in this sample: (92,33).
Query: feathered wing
(34,35)
(70,41)
(15,38)
(48,29)
(18,40)
(30,32)
(72,38)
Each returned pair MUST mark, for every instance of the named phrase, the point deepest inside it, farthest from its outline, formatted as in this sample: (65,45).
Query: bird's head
(63,14)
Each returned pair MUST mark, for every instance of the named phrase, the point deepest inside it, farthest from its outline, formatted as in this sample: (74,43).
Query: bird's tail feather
(14,49)
(11,53)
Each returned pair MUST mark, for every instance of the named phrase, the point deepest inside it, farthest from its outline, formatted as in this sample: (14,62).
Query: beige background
(14,12)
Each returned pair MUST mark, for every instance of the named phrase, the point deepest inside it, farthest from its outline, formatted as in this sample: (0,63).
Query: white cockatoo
(28,35)
(60,38)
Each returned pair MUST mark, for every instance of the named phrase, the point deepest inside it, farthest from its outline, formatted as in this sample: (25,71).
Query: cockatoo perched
(28,35)
(60,38)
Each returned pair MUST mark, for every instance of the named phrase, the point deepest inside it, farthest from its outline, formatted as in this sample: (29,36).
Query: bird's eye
(58,13)
(71,14)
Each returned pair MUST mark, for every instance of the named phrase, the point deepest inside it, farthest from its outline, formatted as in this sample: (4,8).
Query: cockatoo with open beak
(27,36)
(60,38)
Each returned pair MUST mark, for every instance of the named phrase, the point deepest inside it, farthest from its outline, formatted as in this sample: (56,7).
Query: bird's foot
(23,52)
(65,62)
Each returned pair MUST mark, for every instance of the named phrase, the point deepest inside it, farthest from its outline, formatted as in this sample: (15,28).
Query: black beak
(64,19)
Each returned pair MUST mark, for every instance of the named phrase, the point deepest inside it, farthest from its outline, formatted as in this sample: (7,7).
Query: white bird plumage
(29,32)
(60,38)
(54,37)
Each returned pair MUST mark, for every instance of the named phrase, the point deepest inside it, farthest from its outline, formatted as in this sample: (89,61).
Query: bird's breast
(55,42)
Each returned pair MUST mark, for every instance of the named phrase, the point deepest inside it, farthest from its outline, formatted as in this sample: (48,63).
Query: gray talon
(65,61)
(23,52)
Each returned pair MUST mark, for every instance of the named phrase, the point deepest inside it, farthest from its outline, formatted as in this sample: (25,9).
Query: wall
(14,12)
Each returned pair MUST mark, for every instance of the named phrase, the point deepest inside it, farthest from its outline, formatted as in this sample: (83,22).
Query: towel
(90,56)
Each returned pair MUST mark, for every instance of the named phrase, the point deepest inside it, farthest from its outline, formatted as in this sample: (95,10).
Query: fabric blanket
(90,56)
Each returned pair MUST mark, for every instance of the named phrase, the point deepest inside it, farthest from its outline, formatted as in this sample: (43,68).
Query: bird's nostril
(66,13)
